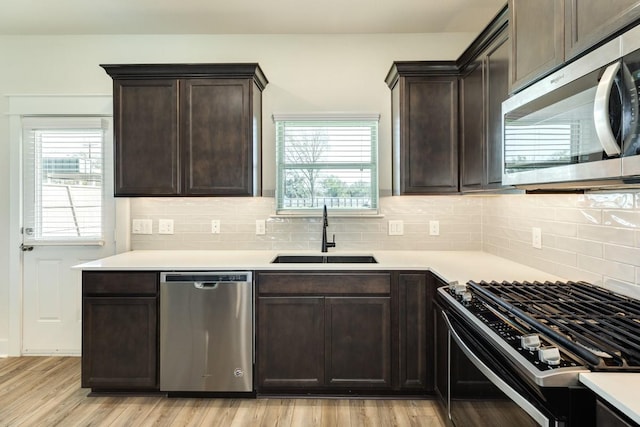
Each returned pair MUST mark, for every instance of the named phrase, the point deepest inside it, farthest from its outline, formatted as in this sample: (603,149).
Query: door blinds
(63,166)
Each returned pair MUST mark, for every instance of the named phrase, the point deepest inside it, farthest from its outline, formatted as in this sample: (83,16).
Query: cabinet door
(608,417)
(358,342)
(472,128)
(429,135)
(217,131)
(537,37)
(588,21)
(415,354)
(497,90)
(290,342)
(119,343)
(146,137)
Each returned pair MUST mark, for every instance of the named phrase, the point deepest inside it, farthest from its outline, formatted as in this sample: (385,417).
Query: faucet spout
(325,224)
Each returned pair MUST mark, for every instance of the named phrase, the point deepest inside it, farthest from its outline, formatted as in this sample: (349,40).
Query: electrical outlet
(536,237)
(434,228)
(396,227)
(165,226)
(261,227)
(215,226)
(141,226)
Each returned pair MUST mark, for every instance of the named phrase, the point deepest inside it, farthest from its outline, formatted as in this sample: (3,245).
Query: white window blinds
(327,160)
(63,166)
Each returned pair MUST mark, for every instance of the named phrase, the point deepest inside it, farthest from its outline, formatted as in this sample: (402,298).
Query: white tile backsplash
(460,225)
(593,237)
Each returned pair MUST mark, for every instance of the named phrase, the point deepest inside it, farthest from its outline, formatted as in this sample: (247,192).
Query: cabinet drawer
(120,283)
(329,283)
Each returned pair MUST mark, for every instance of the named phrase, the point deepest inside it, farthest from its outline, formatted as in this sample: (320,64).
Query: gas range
(552,331)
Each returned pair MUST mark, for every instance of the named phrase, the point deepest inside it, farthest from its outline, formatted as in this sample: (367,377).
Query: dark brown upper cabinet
(546,33)
(447,117)
(537,39)
(484,85)
(588,22)
(187,129)
(424,106)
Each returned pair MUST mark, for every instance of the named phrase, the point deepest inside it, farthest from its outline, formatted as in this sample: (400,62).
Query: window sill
(330,215)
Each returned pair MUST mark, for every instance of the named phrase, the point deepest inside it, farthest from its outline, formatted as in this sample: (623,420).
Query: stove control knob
(549,355)
(459,288)
(467,296)
(530,342)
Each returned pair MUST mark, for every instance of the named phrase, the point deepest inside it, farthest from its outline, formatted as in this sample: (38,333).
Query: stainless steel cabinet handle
(601,111)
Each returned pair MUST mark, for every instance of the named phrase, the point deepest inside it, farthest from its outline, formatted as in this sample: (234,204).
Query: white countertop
(618,388)
(449,265)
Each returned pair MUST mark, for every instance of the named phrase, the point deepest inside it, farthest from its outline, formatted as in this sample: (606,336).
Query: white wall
(306,73)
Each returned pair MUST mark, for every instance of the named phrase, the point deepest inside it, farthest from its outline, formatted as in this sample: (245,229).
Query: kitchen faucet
(325,223)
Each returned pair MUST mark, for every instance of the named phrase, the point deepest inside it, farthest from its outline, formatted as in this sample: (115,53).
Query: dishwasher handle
(206,285)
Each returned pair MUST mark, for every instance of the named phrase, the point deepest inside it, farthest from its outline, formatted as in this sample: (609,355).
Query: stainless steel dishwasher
(206,332)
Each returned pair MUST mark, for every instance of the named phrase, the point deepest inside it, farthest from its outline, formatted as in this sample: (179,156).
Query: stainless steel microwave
(579,127)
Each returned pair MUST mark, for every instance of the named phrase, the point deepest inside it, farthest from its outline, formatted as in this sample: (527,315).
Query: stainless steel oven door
(490,396)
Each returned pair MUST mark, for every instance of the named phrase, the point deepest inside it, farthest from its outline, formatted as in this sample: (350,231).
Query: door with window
(68,218)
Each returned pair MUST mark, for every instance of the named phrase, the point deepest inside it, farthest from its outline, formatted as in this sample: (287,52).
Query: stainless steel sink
(324,259)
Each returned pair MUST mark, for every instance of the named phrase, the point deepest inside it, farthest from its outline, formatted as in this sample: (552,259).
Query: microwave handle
(601,111)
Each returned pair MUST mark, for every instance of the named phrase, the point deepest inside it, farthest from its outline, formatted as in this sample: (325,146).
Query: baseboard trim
(4,348)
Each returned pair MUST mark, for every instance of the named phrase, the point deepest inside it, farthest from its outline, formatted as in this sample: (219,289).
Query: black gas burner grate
(600,326)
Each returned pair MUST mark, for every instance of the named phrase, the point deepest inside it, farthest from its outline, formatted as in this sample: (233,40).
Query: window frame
(367,119)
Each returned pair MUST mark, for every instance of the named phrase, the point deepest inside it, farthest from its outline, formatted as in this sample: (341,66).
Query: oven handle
(601,111)
(538,416)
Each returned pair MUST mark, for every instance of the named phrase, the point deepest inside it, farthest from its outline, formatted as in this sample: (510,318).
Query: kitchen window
(327,160)
(63,179)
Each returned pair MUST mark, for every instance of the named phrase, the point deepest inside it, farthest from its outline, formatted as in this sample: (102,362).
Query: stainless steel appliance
(529,342)
(206,332)
(578,127)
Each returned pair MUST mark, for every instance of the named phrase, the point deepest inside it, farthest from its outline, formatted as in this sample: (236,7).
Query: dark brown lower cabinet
(323,332)
(358,342)
(343,332)
(291,342)
(415,354)
(120,331)
(610,417)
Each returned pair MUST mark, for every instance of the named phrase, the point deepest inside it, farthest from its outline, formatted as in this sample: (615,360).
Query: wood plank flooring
(45,391)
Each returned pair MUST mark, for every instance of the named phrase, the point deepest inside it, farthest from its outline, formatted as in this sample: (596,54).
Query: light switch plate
(141,226)
(396,227)
(165,226)
(215,226)
(434,228)
(261,227)
(536,237)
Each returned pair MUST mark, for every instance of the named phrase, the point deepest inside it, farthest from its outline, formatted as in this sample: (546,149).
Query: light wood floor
(45,391)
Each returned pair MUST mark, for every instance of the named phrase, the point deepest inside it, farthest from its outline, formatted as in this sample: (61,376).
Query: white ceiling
(57,17)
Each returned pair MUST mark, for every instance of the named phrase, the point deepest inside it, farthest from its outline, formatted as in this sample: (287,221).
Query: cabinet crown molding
(194,70)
